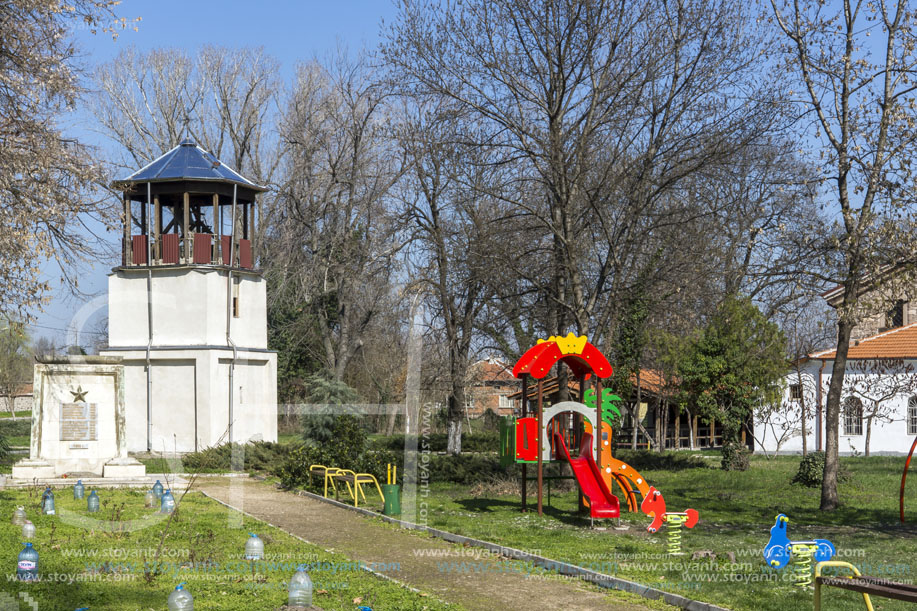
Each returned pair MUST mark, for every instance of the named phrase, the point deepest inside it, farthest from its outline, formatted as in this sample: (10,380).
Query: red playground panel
(527,439)
(602,503)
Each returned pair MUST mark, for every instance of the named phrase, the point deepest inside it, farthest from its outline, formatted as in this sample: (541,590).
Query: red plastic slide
(602,503)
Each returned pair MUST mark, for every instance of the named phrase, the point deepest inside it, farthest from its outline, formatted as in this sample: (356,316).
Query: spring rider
(779,550)
(654,505)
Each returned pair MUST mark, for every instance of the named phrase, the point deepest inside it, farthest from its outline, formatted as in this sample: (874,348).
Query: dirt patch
(449,572)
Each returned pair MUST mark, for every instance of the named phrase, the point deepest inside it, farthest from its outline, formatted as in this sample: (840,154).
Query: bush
(812,469)
(647,460)
(15,428)
(345,449)
(735,457)
(491,420)
(256,456)
(461,469)
(437,442)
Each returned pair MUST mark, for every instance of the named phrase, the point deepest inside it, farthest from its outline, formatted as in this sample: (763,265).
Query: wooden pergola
(210,208)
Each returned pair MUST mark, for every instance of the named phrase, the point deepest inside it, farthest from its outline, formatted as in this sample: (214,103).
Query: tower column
(216,228)
(128,222)
(186,217)
(157,228)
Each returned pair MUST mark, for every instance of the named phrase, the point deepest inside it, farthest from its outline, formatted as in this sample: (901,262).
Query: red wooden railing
(202,251)
(202,248)
(226,246)
(170,248)
(138,250)
(245,254)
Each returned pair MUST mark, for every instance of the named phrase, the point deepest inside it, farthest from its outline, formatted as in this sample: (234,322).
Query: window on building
(912,416)
(235,297)
(504,403)
(895,316)
(795,392)
(853,416)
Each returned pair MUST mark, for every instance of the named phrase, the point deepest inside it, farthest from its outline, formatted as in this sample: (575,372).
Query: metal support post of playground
(599,442)
(578,433)
(525,411)
(540,443)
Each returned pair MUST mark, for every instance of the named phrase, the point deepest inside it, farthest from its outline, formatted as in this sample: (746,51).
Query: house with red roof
(488,385)
(878,400)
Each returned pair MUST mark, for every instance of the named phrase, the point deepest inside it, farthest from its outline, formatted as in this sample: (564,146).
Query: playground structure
(907,463)
(654,505)
(546,436)
(780,550)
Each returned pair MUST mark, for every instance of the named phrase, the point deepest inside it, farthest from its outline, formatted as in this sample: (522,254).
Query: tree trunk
(868,432)
(802,406)
(454,418)
(692,429)
(633,440)
(454,437)
(392,418)
(665,427)
(829,498)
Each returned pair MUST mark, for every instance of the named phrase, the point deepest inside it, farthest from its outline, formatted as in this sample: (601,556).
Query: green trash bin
(392,493)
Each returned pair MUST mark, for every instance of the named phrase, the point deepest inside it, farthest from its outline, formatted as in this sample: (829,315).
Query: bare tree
(48,183)
(224,99)
(858,93)
(333,239)
(454,229)
(783,420)
(605,109)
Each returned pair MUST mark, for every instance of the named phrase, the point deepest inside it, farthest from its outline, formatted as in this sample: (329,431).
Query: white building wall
(780,430)
(189,308)
(190,357)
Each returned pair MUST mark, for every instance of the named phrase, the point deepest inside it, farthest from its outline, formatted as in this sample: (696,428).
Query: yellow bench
(354,481)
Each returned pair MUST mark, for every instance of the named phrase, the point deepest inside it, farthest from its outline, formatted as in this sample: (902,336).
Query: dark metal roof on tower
(187,161)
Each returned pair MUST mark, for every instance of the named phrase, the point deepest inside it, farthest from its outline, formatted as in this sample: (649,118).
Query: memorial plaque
(78,422)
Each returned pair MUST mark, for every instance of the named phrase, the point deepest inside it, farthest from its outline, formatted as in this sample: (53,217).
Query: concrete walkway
(436,567)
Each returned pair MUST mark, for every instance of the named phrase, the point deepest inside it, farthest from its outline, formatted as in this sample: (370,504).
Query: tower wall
(190,358)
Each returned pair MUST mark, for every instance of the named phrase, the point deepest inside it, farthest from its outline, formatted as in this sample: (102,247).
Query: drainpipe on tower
(229,342)
(149,324)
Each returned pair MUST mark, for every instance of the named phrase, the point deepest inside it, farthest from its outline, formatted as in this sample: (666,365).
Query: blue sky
(289,30)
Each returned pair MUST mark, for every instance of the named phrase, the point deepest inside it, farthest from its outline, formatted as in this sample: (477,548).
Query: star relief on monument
(79,395)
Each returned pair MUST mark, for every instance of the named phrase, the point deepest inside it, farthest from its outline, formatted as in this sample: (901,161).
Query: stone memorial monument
(78,425)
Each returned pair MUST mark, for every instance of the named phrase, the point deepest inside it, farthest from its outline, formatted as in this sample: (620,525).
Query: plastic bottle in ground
(92,502)
(167,502)
(78,489)
(180,599)
(157,490)
(47,505)
(28,530)
(300,588)
(19,516)
(254,547)
(27,569)
(149,499)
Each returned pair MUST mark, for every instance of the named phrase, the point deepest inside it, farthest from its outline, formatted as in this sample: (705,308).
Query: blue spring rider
(780,550)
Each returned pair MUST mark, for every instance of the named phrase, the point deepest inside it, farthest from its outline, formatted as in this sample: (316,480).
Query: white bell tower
(187,308)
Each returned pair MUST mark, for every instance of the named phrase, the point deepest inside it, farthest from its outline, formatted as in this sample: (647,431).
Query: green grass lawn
(737,510)
(84,563)
(19,414)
